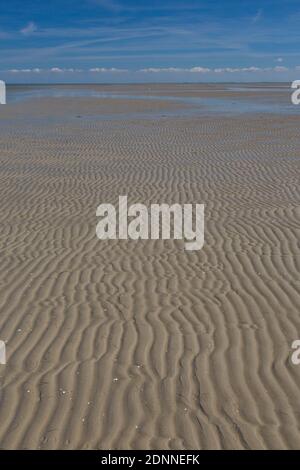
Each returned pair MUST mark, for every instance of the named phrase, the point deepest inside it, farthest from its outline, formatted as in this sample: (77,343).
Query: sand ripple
(116,344)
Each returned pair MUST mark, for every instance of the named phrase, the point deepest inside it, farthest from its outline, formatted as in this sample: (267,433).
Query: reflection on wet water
(230,105)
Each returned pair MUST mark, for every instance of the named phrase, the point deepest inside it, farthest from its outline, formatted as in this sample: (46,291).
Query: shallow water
(200,105)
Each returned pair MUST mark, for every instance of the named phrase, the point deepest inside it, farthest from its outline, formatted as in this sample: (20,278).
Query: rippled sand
(141,344)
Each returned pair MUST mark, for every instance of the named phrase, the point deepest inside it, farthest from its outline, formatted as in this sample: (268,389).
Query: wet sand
(141,344)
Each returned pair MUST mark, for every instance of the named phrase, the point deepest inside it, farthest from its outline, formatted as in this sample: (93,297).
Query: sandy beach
(122,344)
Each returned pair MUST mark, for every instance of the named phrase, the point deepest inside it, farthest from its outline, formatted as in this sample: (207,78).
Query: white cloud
(105,70)
(216,70)
(158,70)
(279,59)
(59,70)
(235,70)
(36,70)
(175,70)
(227,69)
(30,28)
(251,69)
(199,70)
(279,68)
(192,70)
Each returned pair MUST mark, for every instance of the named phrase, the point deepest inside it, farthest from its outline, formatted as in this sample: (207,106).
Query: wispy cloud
(258,16)
(169,37)
(110,5)
(30,28)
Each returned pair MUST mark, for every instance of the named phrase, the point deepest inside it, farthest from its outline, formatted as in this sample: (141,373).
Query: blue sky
(149,41)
